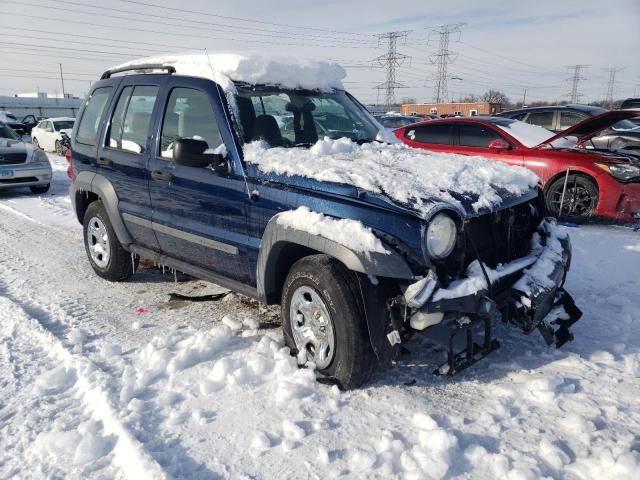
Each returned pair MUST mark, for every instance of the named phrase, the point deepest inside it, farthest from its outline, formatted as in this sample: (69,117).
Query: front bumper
(24,175)
(527,291)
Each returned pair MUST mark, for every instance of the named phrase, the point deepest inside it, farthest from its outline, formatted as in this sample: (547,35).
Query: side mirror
(499,144)
(190,152)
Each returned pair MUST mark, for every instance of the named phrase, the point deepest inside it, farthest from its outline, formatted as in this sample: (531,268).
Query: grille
(12,158)
(497,237)
(502,236)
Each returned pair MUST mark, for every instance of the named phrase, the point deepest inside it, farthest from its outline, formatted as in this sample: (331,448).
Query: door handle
(105,162)
(161,176)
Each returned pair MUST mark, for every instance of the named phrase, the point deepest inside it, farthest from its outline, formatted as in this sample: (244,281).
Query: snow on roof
(60,119)
(405,174)
(287,72)
(527,134)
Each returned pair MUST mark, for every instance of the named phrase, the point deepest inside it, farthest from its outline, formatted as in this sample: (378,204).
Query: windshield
(7,132)
(288,118)
(63,125)
(624,125)
(531,135)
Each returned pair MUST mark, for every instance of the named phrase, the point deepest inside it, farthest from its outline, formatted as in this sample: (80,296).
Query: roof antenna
(253,195)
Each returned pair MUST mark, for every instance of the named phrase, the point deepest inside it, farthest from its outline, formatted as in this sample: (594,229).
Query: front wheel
(106,255)
(324,321)
(40,188)
(580,198)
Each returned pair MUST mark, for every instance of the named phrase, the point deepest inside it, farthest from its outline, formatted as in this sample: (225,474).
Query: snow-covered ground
(102,380)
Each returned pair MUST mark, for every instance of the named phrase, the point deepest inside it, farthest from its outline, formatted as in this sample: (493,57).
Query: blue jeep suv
(271,180)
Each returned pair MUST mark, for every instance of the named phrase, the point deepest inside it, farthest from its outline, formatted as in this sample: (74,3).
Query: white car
(48,133)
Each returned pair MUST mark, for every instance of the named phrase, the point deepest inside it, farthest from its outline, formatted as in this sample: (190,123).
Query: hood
(394,175)
(592,126)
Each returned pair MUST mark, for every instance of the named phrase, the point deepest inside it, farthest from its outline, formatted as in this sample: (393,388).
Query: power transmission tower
(612,80)
(390,61)
(442,59)
(575,81)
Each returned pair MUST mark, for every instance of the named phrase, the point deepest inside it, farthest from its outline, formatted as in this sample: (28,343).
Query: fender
(98,184)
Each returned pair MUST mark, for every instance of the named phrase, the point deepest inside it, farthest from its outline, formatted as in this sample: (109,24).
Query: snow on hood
(286,72)
(406,175)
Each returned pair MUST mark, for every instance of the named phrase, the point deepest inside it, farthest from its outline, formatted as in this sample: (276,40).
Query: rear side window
(434,134)
(131,118)
(542,119)
(519,116)
(189,115)
(567,119)
(477,136)
(90,122)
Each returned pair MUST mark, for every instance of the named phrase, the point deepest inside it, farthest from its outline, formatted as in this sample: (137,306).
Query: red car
(593,182)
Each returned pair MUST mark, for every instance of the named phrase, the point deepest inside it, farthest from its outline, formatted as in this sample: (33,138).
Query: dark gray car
(623,134)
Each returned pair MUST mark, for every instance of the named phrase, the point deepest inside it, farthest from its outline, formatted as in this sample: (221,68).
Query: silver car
(21,164)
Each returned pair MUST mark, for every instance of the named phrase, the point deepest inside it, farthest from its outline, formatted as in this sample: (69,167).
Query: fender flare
(98,184)
(277,236)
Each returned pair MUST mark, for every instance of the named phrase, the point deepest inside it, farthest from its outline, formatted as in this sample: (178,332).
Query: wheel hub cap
(98,242)
(312,326)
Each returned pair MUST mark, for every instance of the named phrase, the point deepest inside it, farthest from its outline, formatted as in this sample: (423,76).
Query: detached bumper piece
(556,331)
(472,351)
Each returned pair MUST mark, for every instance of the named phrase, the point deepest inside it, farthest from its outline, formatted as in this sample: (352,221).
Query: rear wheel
(580,198)
(324,322)
(106,255)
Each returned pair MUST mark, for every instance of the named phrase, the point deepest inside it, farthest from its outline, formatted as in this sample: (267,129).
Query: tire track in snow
(128,453)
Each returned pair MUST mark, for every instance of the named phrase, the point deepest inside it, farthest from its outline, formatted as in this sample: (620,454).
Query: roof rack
(139,68)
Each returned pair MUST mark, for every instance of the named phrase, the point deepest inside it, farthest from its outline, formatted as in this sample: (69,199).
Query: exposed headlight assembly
(620,171)
(440,237)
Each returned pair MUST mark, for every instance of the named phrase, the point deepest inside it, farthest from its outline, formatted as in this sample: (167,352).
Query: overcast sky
(506,44)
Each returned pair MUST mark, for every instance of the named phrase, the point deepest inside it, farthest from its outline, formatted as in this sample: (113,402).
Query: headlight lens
(440,237)
(620,171)
(39,157)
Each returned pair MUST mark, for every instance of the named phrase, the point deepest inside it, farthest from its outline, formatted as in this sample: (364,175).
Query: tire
(58,148)
(321,285)
(110,261)
(40,188)
(35,143)
(580,200)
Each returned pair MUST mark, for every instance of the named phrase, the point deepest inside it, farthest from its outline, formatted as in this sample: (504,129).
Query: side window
(519,116)
(476,136)
(567,119)
(189,115)
(131,118)
(542,119)
(90,121)
(434,134)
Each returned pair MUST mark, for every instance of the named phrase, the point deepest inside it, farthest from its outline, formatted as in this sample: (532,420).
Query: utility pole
(575,81)
(612,80)
(62,80)
(524,98)
(390,61)
(442,59)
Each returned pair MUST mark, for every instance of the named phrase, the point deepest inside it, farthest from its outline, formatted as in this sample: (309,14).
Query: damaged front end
(524,287)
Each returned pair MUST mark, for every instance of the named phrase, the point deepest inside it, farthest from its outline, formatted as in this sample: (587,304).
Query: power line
(575,81)
(241,19)
(442,58)
(390,61)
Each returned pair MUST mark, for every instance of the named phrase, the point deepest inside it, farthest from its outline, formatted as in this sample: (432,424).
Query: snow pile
(286,72)
(405,174)
(350,233)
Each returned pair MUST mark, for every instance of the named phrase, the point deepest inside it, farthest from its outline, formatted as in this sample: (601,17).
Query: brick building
(449,109)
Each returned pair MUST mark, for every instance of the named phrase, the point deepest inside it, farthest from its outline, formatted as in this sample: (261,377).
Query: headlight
(620,171)
(440,237)
(39,157)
